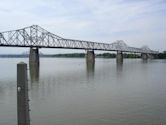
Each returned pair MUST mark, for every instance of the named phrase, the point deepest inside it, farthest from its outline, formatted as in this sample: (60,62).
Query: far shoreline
(83,55)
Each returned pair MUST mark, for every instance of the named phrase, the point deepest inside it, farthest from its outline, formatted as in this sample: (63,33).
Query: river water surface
(70,92)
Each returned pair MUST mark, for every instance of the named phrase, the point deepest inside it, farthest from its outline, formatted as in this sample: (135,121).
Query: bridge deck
(35,36)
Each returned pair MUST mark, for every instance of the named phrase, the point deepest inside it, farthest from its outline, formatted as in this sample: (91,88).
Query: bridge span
(36,37)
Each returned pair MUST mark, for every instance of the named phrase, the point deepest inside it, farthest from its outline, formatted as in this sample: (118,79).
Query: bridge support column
(90,56)
(90,68)
(34,56)
(34,72)
(144,56)
(119,57)
(90,63)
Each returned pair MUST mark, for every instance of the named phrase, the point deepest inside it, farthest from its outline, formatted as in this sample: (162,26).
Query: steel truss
(35,36)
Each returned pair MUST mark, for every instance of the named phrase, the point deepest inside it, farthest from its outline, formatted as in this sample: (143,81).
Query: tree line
(82,55)
(162,55)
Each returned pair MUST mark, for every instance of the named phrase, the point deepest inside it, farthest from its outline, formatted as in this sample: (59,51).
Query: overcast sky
(137,22)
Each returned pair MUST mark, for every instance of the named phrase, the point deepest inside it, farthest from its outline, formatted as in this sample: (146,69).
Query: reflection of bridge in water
(36,37)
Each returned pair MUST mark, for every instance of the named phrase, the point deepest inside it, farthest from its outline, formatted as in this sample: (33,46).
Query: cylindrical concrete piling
(90,56)
(119,57)
(34,56)
(22,95)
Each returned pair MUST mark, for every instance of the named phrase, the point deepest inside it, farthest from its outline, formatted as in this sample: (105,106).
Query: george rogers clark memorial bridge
(36,37)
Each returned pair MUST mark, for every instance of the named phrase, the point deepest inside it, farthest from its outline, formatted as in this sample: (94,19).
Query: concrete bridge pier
(144,56)
(90,56)
(34,72)
(119,57)
(90,69)
(90,63)
(34,56)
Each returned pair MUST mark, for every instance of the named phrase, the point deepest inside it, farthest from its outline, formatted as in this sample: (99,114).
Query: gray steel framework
(35,36)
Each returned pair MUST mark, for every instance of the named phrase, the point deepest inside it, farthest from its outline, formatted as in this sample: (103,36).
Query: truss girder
(35,36)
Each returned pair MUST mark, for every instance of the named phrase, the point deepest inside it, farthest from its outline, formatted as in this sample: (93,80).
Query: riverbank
(81,55)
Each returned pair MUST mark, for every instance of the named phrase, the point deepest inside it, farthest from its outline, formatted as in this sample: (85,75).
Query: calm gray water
(68,92)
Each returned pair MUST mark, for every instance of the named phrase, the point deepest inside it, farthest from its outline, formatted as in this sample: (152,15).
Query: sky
(137,22)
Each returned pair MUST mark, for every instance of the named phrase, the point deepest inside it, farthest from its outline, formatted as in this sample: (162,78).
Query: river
(65,91)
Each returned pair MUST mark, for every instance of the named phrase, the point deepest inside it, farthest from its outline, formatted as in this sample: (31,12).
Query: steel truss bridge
(35,36)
